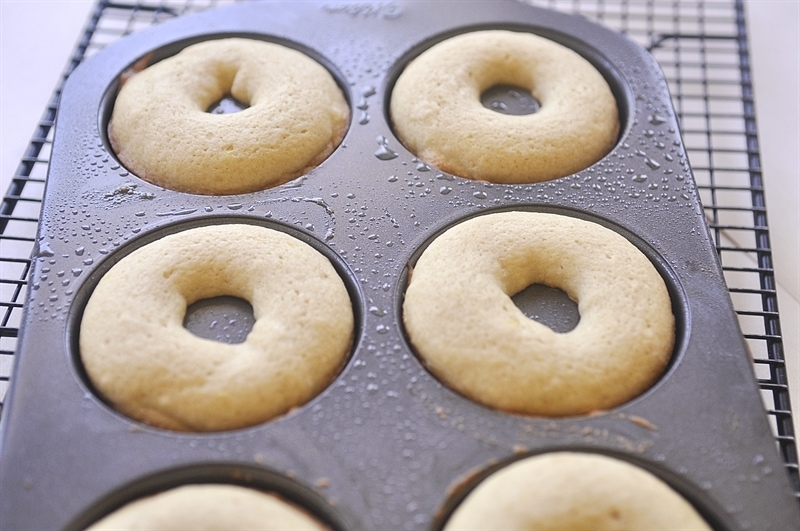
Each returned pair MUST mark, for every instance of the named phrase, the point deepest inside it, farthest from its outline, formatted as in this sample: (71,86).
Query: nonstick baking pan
(386,445)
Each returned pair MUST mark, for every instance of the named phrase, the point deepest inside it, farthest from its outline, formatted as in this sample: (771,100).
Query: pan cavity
(227,105)
(551,307)
(226,319)
(510,99)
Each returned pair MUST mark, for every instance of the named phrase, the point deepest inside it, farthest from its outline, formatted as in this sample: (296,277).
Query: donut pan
(386,445)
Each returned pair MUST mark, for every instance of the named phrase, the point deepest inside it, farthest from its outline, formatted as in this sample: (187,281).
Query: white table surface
(43,33)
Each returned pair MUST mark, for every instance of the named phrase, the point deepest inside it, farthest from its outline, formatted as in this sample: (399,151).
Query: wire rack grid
(703,50)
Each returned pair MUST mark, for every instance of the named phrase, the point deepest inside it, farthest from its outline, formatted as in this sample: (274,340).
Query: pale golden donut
(209,506)
(161,132)
(577,492)
(437,113)
(142,360)
(460,318)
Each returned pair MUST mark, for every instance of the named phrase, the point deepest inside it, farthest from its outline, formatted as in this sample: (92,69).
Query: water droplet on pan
(374,310)
(384,152)
(44,250)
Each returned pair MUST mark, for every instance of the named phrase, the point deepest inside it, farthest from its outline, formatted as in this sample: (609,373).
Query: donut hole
(227,104)
(510,99)
(549,306)
(226,319)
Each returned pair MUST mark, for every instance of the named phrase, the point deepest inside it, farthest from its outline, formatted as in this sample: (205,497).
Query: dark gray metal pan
(386,445)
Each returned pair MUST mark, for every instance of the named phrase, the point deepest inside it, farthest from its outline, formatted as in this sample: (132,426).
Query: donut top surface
(437,112)
(295,116)
(574,491)
(147,365)
(462,322)
(209,507)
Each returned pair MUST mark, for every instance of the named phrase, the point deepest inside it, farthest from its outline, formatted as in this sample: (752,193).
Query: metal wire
(703,51)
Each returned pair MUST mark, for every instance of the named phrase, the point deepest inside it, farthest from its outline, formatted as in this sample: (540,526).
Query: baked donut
(209,506)
(140,358)
(161,131)
(460,318)
(575,491)
(437,112)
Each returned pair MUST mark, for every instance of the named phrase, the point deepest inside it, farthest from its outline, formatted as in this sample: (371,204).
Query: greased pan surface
(386,445)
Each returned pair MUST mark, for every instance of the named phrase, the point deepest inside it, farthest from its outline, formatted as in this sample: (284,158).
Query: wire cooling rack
(702,48)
